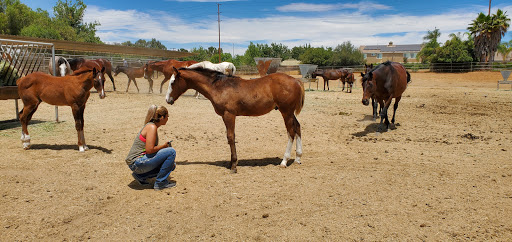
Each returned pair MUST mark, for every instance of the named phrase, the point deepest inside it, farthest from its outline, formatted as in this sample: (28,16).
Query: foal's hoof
(233,171)
(282,166)
(26,146)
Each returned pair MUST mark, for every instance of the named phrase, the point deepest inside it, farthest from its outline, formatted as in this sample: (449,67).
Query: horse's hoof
(233,171)
(26,146)
(282,166)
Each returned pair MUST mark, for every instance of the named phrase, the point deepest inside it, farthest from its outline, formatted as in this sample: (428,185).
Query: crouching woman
(148,159)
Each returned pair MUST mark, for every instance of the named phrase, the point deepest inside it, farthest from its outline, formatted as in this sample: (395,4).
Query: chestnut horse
(77,63)
(385,82)
(349,79)
(166,67)
(131,73)
(330,74)
(72,90)
(368,68)
(234,96)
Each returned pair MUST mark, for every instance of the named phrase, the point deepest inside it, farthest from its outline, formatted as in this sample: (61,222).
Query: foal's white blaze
(25,140)
(169,89)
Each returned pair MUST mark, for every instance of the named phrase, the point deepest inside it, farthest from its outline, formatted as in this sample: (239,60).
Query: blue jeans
(159,165)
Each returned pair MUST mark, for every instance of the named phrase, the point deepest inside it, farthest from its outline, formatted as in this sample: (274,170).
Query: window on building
(410,55)
(379,56)
(365,56)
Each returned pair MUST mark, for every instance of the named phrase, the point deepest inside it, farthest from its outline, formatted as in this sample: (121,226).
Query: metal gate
(20,58)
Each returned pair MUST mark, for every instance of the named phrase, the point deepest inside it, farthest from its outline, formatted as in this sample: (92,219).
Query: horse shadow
(371,128)
(14,123)
(367,117)
(67,147)
(247,162)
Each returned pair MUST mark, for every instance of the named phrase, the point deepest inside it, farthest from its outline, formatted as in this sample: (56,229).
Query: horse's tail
(408,77)
(300,104)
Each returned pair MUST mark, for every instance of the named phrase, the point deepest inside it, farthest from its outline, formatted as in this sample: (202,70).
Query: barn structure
(390,52)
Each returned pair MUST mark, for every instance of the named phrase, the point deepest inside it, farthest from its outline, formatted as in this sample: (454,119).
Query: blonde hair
(155,114)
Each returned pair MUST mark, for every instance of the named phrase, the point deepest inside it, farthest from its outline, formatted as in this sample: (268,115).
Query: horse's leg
(129,81)
(395,106)
(78,126)
(343,86)
(150,85)
(163,82)
(293,130)
(134,82)
(384,113)
(229,121)
(82,128)
(374,106)
(25,117)
(112,79)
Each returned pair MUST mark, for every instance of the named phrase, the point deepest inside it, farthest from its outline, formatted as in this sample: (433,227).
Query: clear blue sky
(187,24)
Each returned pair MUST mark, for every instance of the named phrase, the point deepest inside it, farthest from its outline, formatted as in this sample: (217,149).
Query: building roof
(392,48)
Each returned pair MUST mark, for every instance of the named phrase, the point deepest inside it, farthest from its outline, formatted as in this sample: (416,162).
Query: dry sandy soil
(445,173)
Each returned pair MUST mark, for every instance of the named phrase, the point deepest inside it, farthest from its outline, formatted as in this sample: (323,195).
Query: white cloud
(356,27)
(311,7)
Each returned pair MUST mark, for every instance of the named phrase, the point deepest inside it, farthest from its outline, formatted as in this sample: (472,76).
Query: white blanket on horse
(225,67)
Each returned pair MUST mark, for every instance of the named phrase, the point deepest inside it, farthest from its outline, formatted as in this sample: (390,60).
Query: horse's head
(177,86)
(99,80)
(62,69)
(316,73)
(117,70)
(148,70)
(369,87)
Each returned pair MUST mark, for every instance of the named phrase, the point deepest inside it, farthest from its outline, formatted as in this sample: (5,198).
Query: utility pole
(489,14)
(218,20)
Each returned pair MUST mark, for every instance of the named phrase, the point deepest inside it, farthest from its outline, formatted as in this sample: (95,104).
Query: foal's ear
(103,69)
(362,75)
(175,71)
(370,75)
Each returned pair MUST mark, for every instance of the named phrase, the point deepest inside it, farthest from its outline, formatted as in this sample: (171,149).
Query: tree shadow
(14,123)
(67,147)
(249,162)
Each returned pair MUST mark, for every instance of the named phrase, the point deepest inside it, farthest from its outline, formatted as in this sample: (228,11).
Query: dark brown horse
(234,96)
(385,82)
(368,68)
(131,73)
(330,74)
(72,90)
(77,63)
(166,67)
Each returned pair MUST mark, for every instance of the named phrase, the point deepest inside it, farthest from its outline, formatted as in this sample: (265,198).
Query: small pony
(62,66)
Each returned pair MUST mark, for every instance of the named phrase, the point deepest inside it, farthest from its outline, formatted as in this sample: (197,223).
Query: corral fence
(411,67)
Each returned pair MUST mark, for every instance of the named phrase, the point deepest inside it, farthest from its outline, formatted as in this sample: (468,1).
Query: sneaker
(139,180)
(161,187)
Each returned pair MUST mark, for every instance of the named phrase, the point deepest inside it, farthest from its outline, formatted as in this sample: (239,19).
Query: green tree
(317,56)
(487,31)
(454,50)
(504,49)
(428,52)
(17,16)
(346,54)
(299,50)
(71,14)
(251,52)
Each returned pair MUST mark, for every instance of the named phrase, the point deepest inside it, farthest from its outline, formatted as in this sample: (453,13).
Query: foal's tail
(300,104)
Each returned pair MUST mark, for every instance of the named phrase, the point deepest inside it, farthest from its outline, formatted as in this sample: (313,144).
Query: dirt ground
(444,174)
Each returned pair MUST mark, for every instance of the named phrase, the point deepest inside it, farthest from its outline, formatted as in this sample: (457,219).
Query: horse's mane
(81,71)
(215,75)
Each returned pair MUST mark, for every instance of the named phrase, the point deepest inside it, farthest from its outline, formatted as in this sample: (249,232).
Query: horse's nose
(170,101)
(366,102)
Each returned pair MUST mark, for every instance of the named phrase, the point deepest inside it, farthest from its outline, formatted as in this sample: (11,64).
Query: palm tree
(487,31)
(504,49)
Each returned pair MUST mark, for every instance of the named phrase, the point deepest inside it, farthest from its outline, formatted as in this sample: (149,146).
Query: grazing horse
(368,68)
(62,66)
(227,68)
(131,73)
(331,74)
(72,90)
(385,82)
(234,96)
(166,67)
(77,63)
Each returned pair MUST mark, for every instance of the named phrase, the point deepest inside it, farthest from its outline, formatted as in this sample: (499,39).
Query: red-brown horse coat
(77,63)
(234,96)
(166,67)
(131,73)
(330,74)
(72,90)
